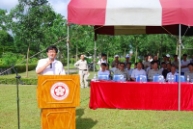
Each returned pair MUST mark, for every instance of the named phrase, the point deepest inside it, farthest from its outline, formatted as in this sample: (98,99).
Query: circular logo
(59,91)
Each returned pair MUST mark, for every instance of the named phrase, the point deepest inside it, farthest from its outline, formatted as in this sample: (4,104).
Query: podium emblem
(59,91)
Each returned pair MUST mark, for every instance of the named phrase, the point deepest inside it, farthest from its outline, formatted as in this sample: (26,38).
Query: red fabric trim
(87,12)
(177,12)
(109,30)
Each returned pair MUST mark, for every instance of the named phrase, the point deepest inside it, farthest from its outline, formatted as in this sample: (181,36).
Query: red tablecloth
(141,96)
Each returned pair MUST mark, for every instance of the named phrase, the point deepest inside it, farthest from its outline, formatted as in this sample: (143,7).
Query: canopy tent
(131,12)
(145,15)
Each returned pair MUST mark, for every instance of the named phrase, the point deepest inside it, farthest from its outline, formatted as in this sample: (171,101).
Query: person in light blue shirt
(138,71)
(153,71)
(103,70)
(172,74)
(122,71)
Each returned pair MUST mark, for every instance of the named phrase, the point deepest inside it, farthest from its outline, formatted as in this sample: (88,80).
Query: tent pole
(67,45)
(94,63)
(179,67)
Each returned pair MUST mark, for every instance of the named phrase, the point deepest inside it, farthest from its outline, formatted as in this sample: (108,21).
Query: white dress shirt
(137,72)
(189,73)
(56,67)
(170,73)
(106,72)
(81,65)
(124,73)
(153,72)
(101,61)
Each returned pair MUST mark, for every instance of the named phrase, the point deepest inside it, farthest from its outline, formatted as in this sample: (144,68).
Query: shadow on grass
(83,123)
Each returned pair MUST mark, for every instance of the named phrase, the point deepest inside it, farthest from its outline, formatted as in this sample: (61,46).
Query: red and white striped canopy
(131,12)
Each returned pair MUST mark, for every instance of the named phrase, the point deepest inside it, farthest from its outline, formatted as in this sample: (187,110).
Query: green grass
(85,117)
(31,74)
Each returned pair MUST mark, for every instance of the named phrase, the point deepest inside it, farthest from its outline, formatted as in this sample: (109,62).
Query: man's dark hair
(163,63)
(185,55)
(140,63)
(121,63)
(153,62)
(103,54)
(190,64)
(173,65)
(104,64)
(175,55)
(52,48)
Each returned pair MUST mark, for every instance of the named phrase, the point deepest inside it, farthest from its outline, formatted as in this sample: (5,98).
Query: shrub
(8,58)
(24,81)
(19,68)
(22,68)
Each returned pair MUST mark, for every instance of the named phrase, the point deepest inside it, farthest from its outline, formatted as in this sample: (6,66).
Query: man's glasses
(52,52)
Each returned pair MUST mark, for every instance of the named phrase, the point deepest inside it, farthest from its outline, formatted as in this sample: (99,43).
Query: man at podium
(50,66)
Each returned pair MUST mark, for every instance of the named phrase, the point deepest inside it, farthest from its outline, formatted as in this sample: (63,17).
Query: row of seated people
(130,74)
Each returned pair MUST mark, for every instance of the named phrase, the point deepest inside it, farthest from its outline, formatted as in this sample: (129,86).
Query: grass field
(86,118)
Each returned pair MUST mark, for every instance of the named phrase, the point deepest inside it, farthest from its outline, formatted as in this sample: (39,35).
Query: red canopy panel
(131,12)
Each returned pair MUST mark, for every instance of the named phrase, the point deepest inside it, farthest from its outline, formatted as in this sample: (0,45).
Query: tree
(6,42)
(29,21)
(81,39)
(187,45)
(3,19)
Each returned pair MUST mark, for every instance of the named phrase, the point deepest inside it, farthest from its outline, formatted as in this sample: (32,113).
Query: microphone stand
(17,89)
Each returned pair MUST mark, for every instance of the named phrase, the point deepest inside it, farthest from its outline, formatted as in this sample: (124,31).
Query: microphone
(50,58)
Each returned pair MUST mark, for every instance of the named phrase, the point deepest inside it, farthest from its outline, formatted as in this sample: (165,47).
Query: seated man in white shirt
(121,71)
(103,70)
(50,66)
(190,72)
(138,71)
(153,71)
(172,73)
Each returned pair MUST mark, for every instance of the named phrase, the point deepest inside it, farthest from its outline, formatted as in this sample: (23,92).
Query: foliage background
(31,26)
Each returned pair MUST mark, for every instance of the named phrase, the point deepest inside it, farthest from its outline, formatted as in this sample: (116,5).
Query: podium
(58,96)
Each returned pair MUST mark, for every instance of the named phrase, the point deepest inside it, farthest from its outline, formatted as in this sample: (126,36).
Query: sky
(60,6)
